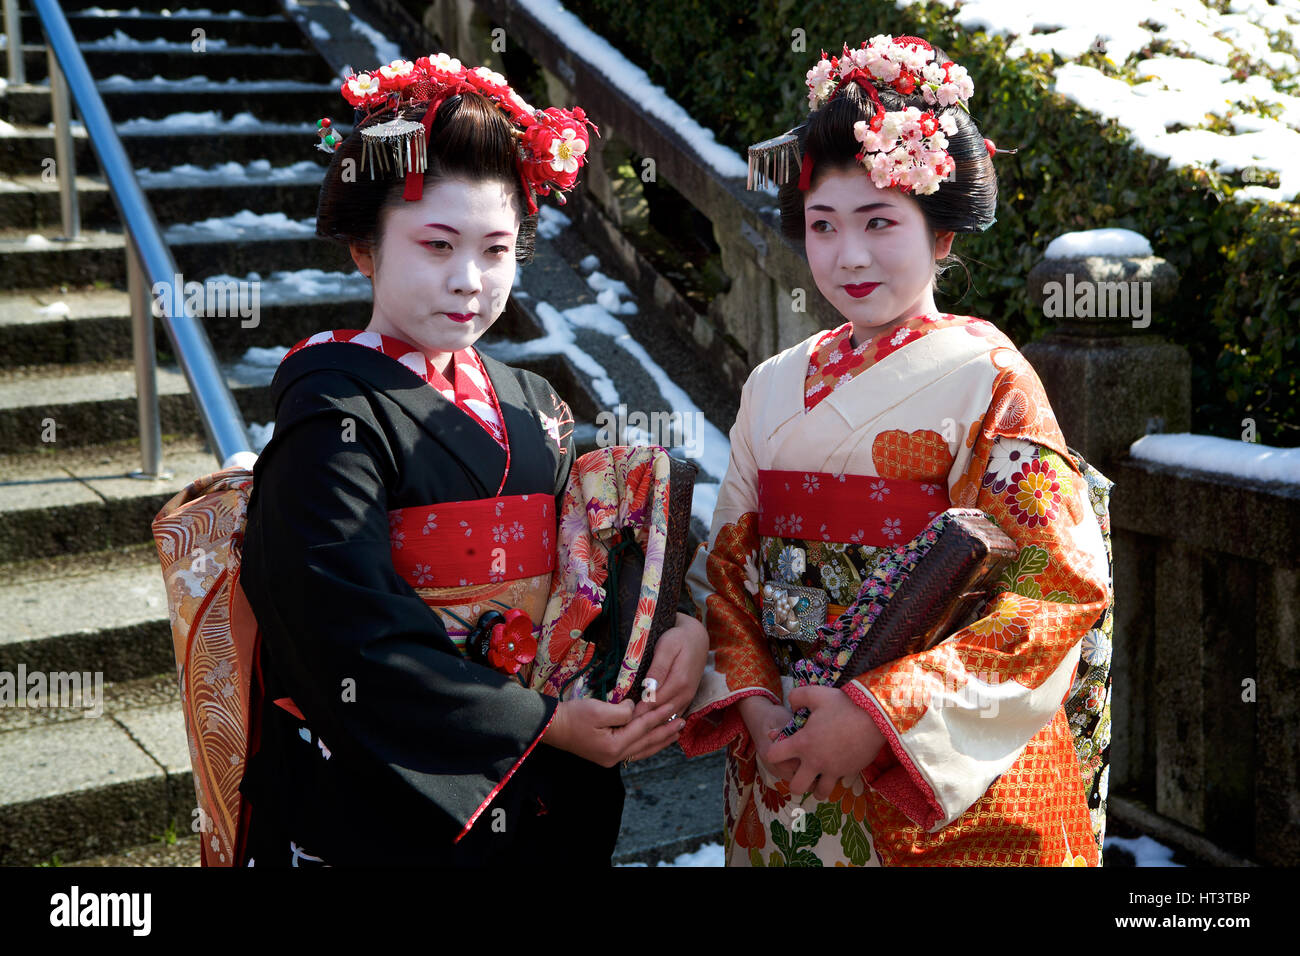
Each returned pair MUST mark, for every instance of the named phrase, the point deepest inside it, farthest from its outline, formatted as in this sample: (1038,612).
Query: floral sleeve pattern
(1019,658)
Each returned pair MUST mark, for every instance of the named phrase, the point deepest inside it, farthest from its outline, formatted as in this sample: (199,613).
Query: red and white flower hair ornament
(552,142)
(904,148)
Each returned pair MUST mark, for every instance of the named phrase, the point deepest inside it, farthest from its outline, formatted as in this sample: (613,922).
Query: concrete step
(118,625)
(673,805)
(100,254)
(219,8)
(73,785)
(24,149)
(62,326)
(66,500)
(276,100)
(56,327)
(82,405)
(179,60)
(239,30)
(32,202)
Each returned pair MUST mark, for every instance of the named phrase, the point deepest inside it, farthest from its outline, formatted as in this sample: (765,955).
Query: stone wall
(1207,584)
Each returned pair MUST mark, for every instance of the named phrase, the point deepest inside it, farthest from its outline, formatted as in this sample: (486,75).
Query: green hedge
(732,66)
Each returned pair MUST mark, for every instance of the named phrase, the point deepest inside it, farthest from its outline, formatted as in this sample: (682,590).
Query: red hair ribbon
(415,181)
(805,173)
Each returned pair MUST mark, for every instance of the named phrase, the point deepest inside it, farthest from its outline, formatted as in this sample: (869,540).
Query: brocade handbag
(918,594)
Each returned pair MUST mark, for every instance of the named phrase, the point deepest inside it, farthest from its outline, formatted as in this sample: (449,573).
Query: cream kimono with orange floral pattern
(979,767)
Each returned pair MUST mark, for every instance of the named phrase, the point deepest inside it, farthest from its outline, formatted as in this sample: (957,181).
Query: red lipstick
(459,316)
(861,289)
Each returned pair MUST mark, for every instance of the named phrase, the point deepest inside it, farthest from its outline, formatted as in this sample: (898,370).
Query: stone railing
(1207,577)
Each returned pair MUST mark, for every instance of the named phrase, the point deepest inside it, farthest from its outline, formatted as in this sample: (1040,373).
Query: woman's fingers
(825,786)
(657,740)
(803,780)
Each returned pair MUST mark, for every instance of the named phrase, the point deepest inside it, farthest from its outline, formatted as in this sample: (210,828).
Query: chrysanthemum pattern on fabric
(977,426)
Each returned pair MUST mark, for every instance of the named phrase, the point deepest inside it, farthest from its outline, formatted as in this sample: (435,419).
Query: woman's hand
(837,741)
(607,733)
(763,719)
(677,665)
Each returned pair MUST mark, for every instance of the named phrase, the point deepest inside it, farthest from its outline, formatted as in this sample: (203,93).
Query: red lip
(459,316)
(862,289)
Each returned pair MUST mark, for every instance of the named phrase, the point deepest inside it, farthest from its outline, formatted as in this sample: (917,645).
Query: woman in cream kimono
(847,445)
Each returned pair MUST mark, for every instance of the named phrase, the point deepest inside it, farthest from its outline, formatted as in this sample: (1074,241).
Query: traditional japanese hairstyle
(898,108)
(435,117)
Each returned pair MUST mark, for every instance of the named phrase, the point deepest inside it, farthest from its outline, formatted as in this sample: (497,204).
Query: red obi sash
(466,543)
(857,509)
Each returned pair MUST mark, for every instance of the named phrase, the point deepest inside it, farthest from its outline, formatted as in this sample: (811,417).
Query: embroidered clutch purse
(624,529)
(918,594)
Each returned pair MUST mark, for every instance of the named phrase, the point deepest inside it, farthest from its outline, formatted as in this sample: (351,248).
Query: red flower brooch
(504,642)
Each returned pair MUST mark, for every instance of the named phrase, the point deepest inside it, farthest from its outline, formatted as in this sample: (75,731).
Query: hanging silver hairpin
(395,147)
(773,160)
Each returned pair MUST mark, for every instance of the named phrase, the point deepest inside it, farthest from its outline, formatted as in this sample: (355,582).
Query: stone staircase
(80,587)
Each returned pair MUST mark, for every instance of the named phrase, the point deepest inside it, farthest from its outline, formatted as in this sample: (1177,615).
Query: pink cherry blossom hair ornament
(904,148)
(552,143)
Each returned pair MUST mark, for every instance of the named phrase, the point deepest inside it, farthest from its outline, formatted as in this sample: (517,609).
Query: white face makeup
(444,267)
(870,251)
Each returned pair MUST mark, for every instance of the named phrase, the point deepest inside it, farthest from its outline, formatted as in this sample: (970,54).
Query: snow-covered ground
(1220,91)
(208,122)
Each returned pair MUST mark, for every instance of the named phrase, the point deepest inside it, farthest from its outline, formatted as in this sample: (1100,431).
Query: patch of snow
(55,308)
(293,286)
(264,357)
(120,41)
(589,262)
(635,84)
(711,854)
(318,31)
(201,84)
(1228,456)
(558,339)
(36,241)
(260,435)
(714,448)
(244,224)
(232,173)
(1146,851)
(1098,242)
(386,51)
(1171,90)
(180,14)
(610,294)
(550,221)
(210,121)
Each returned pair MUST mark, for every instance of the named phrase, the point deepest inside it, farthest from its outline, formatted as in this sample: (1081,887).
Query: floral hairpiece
(907,148)
(552,142)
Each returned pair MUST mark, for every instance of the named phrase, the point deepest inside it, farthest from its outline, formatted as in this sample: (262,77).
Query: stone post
(1109,381)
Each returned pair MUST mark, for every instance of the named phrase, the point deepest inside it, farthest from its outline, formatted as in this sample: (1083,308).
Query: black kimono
(401,739)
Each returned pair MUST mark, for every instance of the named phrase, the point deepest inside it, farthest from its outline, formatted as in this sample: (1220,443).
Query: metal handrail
(150,263)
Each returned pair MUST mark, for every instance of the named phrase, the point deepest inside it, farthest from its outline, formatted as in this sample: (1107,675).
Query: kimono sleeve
(367,663)
(723,581)
(959,715)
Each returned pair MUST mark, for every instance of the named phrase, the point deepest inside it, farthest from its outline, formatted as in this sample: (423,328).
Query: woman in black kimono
(377,740)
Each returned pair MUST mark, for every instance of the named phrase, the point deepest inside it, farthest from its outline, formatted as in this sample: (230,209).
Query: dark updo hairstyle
(966,204)
(470,139)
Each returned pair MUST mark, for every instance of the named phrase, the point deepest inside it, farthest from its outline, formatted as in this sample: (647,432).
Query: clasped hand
(838,740)
(607,733)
